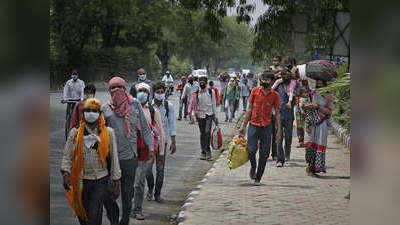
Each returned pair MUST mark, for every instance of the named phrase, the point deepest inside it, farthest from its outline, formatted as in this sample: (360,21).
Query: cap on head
(143,85)
(117,81)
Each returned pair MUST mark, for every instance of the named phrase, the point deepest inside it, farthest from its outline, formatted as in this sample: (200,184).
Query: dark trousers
(128,170)
(286,133)
(245,99)
(255,134)
(205,133)
(94,193)
(159,175)
(236,104)
(274,145)
(70,107)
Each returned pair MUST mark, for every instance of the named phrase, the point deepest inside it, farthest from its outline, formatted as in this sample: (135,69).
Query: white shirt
(168,79)
(74,89)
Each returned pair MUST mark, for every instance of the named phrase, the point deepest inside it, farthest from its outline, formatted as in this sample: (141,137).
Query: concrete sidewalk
(287,195)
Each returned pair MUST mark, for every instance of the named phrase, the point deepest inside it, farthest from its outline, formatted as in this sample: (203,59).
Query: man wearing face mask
(154,119)
(90,91)
(73,93)
(125,115)
(90,166)
(282,86)
(142,77)
(261,102)
(73,89)
(166,110)
(203,104)
(188,90)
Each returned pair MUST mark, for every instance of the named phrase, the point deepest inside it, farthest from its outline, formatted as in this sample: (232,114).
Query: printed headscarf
(74,195)
(121,101)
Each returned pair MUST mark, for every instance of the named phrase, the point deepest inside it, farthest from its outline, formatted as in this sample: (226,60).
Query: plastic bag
(216,138)
(238,153)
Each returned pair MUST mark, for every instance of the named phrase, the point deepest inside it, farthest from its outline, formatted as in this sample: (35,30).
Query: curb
(341,133)
(195,191)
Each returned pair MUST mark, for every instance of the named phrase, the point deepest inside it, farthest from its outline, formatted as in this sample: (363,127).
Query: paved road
(287,195)
(183,169)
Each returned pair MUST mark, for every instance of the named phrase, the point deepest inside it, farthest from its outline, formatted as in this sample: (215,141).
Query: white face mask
(91,117)
(159,97)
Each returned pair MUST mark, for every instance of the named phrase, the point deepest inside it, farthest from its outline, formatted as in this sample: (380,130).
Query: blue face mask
(142,77)
(73,76)
(142,97)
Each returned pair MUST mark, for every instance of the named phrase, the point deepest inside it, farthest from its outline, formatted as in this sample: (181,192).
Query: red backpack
(142,149)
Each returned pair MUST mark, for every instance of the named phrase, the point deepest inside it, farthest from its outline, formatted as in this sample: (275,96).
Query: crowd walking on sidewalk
(112,148)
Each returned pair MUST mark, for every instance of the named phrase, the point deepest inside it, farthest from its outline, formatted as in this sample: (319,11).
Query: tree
(274,29)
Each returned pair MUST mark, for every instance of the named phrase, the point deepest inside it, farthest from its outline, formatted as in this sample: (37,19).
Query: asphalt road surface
(182,171)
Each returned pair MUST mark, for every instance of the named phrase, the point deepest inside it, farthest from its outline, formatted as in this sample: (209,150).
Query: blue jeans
(255,134)
(286,133)
(183,105)
(159,175)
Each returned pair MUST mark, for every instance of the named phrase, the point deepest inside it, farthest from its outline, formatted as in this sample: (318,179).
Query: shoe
(139,216)
(230,120)
(179,118)
(158,199)
(279,164)
(257,183)
(226,120)
(252,174)
(149,196)
(208,156)
(203,156)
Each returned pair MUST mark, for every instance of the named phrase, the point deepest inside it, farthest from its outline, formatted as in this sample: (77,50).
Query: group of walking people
(112,147)
(270,117)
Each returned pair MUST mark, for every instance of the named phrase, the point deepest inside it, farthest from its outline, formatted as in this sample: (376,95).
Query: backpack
(142,149)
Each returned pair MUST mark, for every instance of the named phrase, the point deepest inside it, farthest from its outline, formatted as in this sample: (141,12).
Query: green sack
(237,154)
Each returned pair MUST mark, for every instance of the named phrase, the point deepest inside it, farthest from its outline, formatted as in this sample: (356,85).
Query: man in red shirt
(261,101)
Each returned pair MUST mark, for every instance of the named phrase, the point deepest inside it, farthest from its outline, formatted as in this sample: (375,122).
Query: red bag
(216,138)
(142,149)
